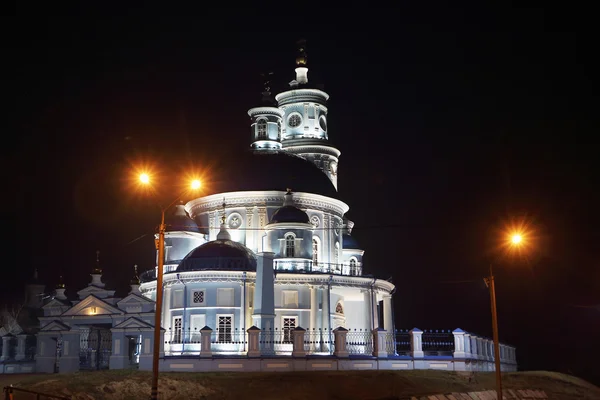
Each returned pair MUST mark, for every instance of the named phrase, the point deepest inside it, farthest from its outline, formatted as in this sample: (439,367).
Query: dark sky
(453,123)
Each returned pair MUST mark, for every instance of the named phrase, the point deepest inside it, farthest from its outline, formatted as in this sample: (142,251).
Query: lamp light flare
(516,238)
(196,184)
(144,178)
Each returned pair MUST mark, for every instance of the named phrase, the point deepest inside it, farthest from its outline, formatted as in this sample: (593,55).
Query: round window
(323,123)
(294,120)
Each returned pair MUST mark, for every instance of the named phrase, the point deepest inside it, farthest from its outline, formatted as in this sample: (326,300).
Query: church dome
(348,242)
(289,214)
(272,170)
(179,220)
(220,254)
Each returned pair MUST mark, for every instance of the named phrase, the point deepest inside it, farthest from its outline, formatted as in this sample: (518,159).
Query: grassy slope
(359,385)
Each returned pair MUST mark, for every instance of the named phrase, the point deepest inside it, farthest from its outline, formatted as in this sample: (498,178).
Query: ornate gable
(92,305)
(134,303)
(97,291)
(133,323)
(55,326)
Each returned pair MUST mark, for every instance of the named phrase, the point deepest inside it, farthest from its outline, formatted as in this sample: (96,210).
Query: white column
(368,309)
(243,306)
(6,347)
(325,322)
(314,308)
(374,305)
(388,319)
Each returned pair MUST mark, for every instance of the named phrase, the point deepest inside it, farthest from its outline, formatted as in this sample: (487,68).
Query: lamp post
(515,240)
(145,179)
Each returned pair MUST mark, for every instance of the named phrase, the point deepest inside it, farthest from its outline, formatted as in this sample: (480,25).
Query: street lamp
(515,240)
(194,185)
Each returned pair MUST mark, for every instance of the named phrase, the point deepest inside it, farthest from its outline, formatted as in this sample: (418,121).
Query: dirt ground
(346,385)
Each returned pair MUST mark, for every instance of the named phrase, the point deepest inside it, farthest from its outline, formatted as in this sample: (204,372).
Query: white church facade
(262,275)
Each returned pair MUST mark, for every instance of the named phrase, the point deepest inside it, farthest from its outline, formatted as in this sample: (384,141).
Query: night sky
(453,125)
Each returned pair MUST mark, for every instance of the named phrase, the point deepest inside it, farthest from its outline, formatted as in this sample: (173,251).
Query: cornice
(265,111)
(300,95)
(272,198)
(281,278)
(309,148)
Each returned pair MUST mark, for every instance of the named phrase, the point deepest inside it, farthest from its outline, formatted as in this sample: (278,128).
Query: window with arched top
(315,249)
(339,308)
(261,129)
(290,246)
(353,267)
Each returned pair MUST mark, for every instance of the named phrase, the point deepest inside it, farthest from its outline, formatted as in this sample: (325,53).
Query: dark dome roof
(289,214)
(219,255)
(272,170)
(348,242)
(179,220)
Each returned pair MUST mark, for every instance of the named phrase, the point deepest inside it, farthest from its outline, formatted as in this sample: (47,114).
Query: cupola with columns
(304,128)
(266,121)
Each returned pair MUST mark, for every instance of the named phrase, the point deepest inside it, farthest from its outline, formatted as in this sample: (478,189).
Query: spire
(97,272)
(97,269)
(135,281)
(301,63)
(223,234)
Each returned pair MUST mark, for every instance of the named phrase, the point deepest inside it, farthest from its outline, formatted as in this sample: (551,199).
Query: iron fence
(276,341)
(318,341)
(398,343)
(359,342)
(438,342)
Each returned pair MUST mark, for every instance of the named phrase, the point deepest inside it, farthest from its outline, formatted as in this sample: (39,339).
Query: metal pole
(496,343)
(157,313)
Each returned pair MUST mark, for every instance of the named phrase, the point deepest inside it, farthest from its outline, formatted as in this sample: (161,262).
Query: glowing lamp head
(516,239)
(145,178)
(196,184)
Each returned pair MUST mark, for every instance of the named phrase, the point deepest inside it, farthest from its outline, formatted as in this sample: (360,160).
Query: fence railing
(318,341)
(359,342)
(438,343)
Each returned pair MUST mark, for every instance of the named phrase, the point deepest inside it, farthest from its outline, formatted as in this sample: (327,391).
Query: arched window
(290,246)
(353,269)
(315,252)
(261,129)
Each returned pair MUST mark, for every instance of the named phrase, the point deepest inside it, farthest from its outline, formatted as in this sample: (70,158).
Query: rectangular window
(177,327)
(197,322)
(290,298)
(224,328)
(177,299)
(288,324)
(198,297)
(225,297)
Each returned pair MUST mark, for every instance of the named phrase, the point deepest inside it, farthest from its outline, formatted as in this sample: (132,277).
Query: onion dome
(180,221)
(272,170)
(220,254)
(348,242)
(288,212)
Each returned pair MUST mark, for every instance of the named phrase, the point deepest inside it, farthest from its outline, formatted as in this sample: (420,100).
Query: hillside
(350,385)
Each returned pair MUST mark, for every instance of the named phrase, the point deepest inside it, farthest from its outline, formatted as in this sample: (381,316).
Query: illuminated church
(280,214)
(264,275)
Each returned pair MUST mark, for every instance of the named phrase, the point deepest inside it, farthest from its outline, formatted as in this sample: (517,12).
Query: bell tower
(304,125)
